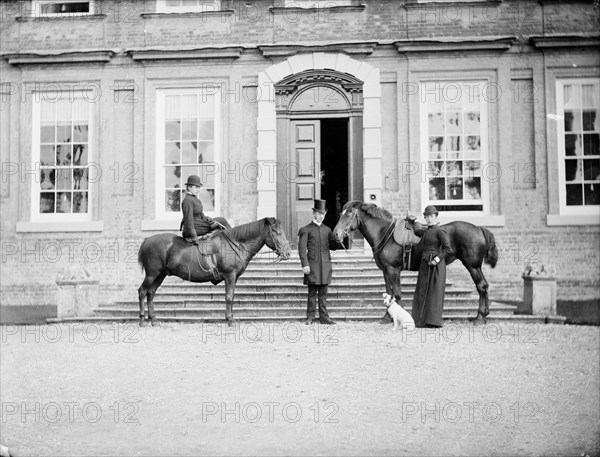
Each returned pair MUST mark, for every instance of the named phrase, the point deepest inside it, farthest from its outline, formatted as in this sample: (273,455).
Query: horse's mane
(370,209)
(246,231)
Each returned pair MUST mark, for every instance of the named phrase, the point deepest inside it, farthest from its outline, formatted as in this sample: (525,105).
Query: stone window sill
(38,227)
(65,17)
(557,220)
(337,9)
(191,14)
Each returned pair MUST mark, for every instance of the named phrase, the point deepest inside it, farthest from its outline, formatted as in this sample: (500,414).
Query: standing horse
(472,245)
(167,254)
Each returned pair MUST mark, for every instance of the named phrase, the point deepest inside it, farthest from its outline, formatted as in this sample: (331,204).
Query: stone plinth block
(77,298)
(539,296)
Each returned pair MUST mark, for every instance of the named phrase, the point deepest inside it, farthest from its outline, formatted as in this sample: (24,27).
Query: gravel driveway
(290,389)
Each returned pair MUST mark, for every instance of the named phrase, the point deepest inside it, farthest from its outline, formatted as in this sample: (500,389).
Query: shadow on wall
(583,312)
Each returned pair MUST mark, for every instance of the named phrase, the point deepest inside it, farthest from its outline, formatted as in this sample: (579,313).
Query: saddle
(207,249)
(404,235)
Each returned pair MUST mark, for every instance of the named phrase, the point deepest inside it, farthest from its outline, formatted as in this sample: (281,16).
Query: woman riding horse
(195,223)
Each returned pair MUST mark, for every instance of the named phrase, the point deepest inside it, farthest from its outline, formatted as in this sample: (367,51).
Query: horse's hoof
(479,320)
(143,323)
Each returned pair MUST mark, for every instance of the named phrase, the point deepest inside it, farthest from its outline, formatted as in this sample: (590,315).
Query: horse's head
(349,220)
(277,240)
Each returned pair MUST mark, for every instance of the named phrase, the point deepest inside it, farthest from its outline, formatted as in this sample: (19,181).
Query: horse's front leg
(389,289)
(230,281)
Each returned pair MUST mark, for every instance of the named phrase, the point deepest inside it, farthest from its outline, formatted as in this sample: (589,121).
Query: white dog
(398,314)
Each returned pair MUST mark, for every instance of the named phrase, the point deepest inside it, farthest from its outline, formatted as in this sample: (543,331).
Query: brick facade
(521,47)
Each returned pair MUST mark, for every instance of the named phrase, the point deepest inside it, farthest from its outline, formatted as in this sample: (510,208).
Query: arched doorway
(319,144)
(364,132)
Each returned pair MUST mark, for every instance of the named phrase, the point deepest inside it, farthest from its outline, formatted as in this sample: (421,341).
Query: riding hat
(193,180)
(320,206)
(430,210)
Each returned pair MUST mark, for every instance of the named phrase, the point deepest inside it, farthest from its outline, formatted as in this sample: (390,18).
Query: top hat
(320,206)
(193,180)
(430,210)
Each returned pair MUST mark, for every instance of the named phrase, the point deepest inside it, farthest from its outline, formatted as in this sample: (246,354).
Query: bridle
(354,216)
(386,237)
(236,245)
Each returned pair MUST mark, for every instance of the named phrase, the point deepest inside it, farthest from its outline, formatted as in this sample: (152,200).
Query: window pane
(207,197)
(455,190)
(47,155)
(572,96)
(574,194)
(206,151)
(472,188)
(207,130)
(589,95)
(189,130)
(590,144)
(80,178)
(573,170)
(80,154)
(452,123)
(80,133)
(573,145)
(436,143)
(472,122)
(63,154)
(592,195)
(63,202)
(63,132)
(47,178)
(189,151)
(173,177)
(63,178)
(437,189)
(591,169)
(47,133)
(172,130)
(172,153)
(47,202)
(436,124)
(173,200)
(80,202)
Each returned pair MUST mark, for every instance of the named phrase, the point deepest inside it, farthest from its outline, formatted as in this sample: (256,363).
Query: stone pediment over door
(319,91)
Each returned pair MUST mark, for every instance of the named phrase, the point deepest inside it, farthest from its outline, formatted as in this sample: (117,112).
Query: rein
(239,245)
(386,237)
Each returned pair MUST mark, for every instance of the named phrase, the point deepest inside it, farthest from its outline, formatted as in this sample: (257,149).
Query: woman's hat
(193,180)
(320,206)
(430,210)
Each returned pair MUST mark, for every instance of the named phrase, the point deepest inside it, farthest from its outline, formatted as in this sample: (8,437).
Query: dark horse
(168,254)
(472,245)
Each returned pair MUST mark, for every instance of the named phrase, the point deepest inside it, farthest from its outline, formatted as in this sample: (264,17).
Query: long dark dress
(428,301)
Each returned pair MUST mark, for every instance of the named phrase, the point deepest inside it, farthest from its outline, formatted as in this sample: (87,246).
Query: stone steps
(270,291)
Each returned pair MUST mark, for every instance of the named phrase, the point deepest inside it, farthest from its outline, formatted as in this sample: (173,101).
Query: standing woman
(428,301)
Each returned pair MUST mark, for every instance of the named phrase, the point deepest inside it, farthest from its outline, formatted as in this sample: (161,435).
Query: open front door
(306,156)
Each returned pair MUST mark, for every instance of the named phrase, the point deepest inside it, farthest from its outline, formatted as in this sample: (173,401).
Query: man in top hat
(428,301)
(314,242)
(195,223)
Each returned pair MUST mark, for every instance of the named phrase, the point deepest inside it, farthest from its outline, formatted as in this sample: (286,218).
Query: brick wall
(31,262)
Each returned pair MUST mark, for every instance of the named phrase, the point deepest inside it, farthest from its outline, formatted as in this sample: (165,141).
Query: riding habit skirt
(428,301)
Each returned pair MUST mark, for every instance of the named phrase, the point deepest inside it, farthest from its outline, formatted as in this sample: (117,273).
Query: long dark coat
(314,243)
(428,301)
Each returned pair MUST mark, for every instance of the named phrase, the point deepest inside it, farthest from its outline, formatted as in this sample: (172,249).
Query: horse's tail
(140,258)
(491,255)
